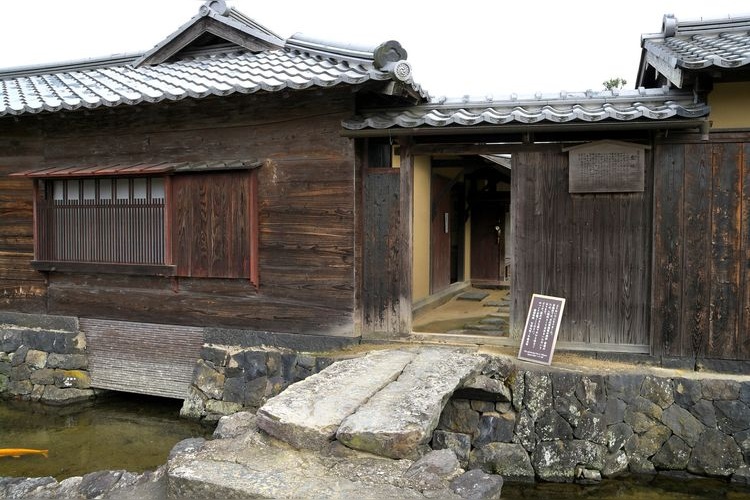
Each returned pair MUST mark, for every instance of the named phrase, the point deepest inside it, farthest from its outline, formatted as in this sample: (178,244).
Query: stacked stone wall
(43,358)
(565,427)
(229,379)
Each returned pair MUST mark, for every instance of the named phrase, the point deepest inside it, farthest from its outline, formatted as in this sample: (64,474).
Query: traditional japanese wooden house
(202,184)
(233,186)
(631,204)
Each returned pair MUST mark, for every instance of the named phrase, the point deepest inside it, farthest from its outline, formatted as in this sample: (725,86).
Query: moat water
(136,433)
(119,431)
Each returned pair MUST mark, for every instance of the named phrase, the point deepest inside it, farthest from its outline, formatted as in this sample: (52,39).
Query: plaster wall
(421,242)
(730,105)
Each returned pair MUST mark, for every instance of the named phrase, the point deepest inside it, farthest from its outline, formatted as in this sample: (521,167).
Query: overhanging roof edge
(537,127)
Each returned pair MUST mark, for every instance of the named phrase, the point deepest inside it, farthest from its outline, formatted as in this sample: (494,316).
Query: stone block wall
(565,427)
(43,358)
(228,379)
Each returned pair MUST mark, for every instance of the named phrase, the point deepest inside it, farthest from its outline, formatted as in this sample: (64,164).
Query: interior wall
(421,242)
(729,104)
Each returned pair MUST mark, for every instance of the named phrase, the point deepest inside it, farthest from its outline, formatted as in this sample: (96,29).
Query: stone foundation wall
(564,427)
(228,379)
(43,358)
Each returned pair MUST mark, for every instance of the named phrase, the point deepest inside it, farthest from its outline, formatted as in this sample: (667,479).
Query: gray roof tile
(687,46)
(644,104)
(197,76)
(170,71)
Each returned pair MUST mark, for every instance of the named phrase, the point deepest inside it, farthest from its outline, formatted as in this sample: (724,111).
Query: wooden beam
(406,224)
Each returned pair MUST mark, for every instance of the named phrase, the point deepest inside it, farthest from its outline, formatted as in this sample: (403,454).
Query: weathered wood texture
(211,214)
(381,263)
(143,358)
(305,207)
(593,250)
(701,276)
(21,288)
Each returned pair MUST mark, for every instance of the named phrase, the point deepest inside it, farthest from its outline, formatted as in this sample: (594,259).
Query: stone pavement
(386,403)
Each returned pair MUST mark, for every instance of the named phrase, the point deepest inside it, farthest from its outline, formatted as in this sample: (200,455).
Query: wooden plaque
(541,329)
(607,167)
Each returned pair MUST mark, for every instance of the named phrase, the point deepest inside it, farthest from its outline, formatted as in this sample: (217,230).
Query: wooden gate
(592,249)
(701,283)
(143,358)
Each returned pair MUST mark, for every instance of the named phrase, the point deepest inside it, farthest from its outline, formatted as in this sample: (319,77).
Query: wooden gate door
(440,234)
(593,250)
(488,242)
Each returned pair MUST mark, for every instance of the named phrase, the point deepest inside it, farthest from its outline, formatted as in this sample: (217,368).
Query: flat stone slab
(252,465)
(400,418)
(474,296)
(308,413)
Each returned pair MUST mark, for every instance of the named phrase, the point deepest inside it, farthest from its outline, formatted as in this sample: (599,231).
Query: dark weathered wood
(305,218)
(381,262)
(700,271)
(744,324)
(144,358)
(572,246)
(406,232)
(668,241)
(212,222)
(725,251)
(697,233)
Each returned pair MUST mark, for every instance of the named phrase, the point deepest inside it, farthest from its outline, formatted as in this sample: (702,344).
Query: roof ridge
(68,66)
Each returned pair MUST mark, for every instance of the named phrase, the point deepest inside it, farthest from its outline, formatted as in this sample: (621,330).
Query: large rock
(732,416)
(400,418)
(458,443)
(508,460)
(494,427)
(715,454)
(434,470)
(674,455)
(308,414)
(538,394)
(658,390)
(253,466)
(557,460)
(477,485)
(484,388)
(208,380)
(683,424)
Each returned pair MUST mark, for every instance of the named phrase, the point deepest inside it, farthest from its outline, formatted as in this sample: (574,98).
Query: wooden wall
(701,277)
(21,288)
(592,249)
(381,264)
(306,209)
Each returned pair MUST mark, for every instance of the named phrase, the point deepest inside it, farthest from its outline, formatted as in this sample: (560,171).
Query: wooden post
(406,223)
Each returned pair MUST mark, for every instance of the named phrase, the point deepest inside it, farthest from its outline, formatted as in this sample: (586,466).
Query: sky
(490,48)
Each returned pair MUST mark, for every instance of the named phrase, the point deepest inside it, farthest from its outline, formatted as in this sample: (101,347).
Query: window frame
(42,189)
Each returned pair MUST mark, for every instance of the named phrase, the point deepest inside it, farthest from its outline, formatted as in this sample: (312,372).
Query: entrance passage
(142,358)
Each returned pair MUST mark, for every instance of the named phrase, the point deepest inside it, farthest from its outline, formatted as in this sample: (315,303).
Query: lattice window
(102,220)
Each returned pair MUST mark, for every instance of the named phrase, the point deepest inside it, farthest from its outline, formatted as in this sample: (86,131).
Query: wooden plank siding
(592,249)
(701,278)
(140,357)
(381,261)
(306,215)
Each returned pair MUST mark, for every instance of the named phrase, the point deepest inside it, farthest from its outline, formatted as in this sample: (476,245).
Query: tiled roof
(696,45)
(630,105)
(198,76)
(298,64)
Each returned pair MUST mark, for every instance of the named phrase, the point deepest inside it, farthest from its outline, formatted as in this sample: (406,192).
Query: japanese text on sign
(541,329)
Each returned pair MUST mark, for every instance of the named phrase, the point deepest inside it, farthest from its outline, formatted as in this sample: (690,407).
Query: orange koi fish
(18,452)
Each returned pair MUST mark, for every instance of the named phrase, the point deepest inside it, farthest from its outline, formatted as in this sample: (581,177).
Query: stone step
(400,418)
(307,414)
